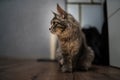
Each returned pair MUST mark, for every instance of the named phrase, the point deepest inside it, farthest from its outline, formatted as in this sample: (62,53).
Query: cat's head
(62,22)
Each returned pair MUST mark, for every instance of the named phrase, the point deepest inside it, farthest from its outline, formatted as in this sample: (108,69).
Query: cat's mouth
(52,30)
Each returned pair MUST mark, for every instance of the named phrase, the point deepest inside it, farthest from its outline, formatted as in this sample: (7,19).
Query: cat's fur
(73,52)
(93,39)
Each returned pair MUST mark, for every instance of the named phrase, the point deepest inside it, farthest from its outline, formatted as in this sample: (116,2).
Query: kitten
(73,52)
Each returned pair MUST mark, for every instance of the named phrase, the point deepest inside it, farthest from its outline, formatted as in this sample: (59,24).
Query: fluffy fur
(73,52)
(93,39)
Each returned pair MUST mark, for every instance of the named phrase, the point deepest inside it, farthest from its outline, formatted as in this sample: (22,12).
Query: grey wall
(114,31)
(24,27)
(88,15)
(92,15)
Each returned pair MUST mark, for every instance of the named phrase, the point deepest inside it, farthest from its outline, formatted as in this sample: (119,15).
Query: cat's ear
(61,11)
(55,14)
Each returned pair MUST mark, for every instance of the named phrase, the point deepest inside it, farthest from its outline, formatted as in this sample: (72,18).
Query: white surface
(99,1)
(114,32)
(92,15)
(112,6)
(73,9)
(78,0)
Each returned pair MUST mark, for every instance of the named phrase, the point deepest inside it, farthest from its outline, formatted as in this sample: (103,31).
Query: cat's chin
(53,32)
(56,34)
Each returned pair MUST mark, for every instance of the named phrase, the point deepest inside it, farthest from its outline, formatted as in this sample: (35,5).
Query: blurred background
(24,27)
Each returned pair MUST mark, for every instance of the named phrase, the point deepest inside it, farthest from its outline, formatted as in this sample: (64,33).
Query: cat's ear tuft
(61,11)
(55,14)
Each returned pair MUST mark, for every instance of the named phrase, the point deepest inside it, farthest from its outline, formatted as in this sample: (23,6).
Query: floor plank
(50,71)
(99,73)
(33,70)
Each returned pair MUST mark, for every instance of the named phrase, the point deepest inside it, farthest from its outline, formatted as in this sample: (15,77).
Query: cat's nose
(49,28)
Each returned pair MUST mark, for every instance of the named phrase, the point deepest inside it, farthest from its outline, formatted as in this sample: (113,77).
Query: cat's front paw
(84,68)
(66,68)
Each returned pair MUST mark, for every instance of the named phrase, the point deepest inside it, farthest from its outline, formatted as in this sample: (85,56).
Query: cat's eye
(54,22)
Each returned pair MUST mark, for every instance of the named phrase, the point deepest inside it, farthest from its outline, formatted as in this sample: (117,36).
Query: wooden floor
(33,70)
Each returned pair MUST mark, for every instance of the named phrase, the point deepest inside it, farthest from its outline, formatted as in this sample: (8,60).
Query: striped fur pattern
(73,52)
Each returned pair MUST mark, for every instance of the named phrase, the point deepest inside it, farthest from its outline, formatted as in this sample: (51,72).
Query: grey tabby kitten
(73,52)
